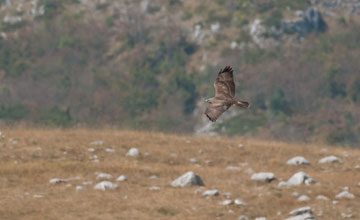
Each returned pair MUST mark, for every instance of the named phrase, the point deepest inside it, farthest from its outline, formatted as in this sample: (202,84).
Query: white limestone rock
(121,178)
(302,210)
(304,198)
(105,185)
(188,179)
(213,192)
(233,168)
(243,217)
(306,216)
(330,159)
(345,194)
(260,218)
(133,152)
(104,176)
(239,202)
(322,197)
(79,188)
(58,180)
(263,177)
(300,178)
(298,161)
(226,202)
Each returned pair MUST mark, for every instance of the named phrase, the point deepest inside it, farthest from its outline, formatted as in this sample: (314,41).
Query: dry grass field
(30,158)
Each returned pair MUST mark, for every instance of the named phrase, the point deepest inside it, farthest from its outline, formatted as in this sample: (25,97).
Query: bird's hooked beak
(207,100)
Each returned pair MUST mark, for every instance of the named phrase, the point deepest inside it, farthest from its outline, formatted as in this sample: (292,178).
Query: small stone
(58,180)
(105,185)
(104,176)
(198,191)
(321,197)
(330,159)
(97,143)
(110,150)
(121,178)
(153,177)
(346,215)
(302,210)
(303,198)
(188,179)
(295,194)
(298,161)
(193,160)
(263,177)
(38,196)
(233,168)
(213,192)
(306,216)
(345,194)
(91,149)
(260,218)
(249,171)
(243,217)
(226,202)
(239,202)
(79,188)
(133,152)
(335,202)
(154,188)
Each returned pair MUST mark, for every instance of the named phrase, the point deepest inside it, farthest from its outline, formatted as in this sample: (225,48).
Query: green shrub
(354,91)
(13,112)
(278,102)
(110,21)
(57,117)
(65,42)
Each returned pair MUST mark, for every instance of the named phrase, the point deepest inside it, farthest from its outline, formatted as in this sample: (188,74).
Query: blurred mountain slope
(149,65)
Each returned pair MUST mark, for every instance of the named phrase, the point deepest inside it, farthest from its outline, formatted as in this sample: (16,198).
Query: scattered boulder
(97,143)
(243,217)
(105,185)
(305,216)
(260,218)
(154,188)
(79,188)
(233,168)
(91,149)
(226,202)
(213,192)
(58,180)
(110,150)
(345,194)
(121,178)
(298,161)
(188,179)
(300,178)
(263,177)
(330,159)
(304,213)
(104,176)
(239,202)
(321,197)
(304,198)
(302,210)
(133,152)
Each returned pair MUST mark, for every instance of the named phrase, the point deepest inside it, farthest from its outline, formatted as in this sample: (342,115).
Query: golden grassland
(29,158)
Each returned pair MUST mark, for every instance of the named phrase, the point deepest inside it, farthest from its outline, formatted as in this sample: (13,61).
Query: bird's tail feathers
(243,104)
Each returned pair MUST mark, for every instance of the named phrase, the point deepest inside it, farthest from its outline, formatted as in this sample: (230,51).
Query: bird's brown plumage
(224,95)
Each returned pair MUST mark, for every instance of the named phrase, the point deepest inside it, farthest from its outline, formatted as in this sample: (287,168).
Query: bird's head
(207,100)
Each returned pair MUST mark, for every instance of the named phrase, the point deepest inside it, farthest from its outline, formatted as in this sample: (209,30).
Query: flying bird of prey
(224,95)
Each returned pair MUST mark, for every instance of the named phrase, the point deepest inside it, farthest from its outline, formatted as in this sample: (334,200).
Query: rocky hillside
(149,64)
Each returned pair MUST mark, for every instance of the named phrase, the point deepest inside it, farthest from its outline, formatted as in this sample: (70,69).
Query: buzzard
(224,95)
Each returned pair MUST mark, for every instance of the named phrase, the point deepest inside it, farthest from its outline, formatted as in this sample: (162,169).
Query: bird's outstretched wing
(224,84)
(213,112)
